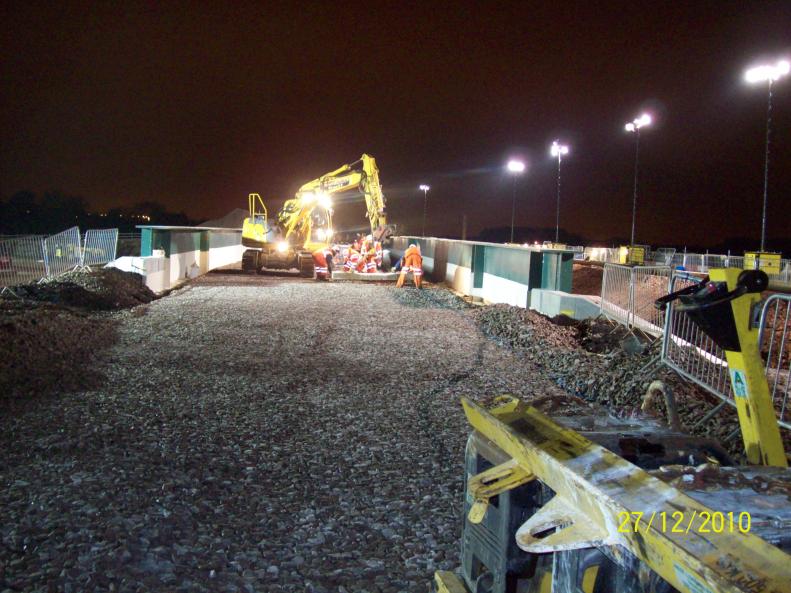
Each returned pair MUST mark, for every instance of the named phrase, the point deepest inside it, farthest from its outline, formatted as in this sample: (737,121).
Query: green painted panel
(460,254)
(220,239)
(184,242)
(511,264)
(478,265)
(556,271)
(161,240)
(145,242)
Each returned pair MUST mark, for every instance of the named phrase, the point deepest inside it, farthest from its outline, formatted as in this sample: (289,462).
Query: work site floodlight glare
(638,122)
(767,73)
(559,149)
(424,187)
(515,166)
(324,200)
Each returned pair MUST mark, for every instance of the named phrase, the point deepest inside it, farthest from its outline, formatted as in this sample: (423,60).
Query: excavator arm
(361,175)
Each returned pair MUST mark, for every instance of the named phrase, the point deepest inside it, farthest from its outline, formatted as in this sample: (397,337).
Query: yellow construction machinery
(306,219)
(602,505)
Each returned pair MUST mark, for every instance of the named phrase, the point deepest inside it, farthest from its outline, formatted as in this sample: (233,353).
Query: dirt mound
(102,290)
(45,348)
(586,279)
(602,363)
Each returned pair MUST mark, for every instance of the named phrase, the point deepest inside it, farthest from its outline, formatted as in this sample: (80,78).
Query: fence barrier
(663,256)
(694,355)
(628,295)
(30,258)
(62,252)
(21,260)
(689,351)
(776,344)
(99,246)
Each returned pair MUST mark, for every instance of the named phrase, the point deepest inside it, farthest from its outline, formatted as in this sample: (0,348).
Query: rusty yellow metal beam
(594,487)
(492,482)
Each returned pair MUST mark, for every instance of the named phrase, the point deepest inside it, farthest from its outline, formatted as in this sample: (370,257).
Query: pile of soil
(604,364)
(48,349)
(105,289)
(586,279)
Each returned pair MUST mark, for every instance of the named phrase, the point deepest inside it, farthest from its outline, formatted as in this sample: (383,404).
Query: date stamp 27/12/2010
(684,522)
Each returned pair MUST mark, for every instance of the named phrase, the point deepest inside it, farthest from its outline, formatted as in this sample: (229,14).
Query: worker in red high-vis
(379,254)
(322,262)
(412,262)
(352,260)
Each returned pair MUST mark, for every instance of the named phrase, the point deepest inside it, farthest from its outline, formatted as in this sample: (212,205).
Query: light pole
(424,188)
(767,74)
(515,168)
(558,150)
(634,127)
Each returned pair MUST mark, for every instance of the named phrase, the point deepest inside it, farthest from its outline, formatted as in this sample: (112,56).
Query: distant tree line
(26,213)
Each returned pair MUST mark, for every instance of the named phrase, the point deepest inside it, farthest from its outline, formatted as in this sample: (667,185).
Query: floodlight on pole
(634,127)
(558,151)
(515,168)
(424,188)
(768,74)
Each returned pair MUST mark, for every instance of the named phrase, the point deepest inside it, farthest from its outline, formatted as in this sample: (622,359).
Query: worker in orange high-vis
(370,260)
(379,254)
(352,260)
(322,263)
(412,262)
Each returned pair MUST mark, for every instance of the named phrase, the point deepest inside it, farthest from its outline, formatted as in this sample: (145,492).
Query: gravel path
(255,434)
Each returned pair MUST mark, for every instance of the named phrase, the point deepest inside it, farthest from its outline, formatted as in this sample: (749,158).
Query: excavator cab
(255,229)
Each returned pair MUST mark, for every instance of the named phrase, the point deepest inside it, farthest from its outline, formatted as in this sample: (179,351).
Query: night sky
(196,104)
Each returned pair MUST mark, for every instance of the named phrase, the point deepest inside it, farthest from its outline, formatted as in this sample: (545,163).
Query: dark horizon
(195,109)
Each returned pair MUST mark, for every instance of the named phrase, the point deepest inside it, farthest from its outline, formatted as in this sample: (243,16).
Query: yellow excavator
(305,221)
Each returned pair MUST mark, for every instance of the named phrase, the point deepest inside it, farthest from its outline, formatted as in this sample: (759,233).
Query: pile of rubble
(51,332)
(101,290)
(603,364)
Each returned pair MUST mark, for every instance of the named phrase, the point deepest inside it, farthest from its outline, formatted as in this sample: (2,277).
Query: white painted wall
(459,278)
(500,290)
(155,270)
(223,256)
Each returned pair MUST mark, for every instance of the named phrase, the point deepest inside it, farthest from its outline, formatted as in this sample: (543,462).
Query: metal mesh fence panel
(99,246)
(693,262)
(785,271)
(648,284)
(21,260)
(775,340)
(616,293)
(664,256)
(689,351)
(62,252)
(711,260)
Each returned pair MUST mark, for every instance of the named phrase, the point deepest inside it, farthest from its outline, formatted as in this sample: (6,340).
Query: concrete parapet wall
(555,302)
(172,255)
(490,271)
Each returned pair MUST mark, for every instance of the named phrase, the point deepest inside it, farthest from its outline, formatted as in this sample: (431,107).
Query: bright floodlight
(515,166)
(424,187)
(767,73)
(638,122)
(324,200)
(559,149)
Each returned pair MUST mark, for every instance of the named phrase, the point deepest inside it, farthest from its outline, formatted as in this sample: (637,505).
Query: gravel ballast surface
(256,434)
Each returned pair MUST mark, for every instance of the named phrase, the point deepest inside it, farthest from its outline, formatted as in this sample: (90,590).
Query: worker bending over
(412,262)
(322,262)
(352,259)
